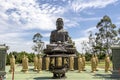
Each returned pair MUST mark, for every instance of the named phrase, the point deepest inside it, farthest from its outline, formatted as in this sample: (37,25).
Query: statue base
(115,74)
(35,69)
(39,71)
(24,70)
(2,73)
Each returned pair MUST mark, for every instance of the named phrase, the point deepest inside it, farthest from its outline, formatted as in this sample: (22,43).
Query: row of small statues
(81,63)
(37,64)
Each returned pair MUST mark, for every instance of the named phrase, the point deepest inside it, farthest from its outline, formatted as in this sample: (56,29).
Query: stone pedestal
(116,61)
(3,52)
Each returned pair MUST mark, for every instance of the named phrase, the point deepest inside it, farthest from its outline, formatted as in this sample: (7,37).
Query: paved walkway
(46,75)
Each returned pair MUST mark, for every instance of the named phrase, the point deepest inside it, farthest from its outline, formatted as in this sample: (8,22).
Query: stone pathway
(46,75)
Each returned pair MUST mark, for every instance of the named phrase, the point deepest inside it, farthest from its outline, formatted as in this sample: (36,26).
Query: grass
(101,64)
(71,75)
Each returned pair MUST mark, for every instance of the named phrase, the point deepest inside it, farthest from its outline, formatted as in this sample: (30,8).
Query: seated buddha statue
(59,34)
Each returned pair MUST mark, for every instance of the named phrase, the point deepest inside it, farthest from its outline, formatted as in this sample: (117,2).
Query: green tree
(39,45)
(7,60)
(106,34)
(88,56)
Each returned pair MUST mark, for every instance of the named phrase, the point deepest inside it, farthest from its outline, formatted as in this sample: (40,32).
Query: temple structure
(59,50)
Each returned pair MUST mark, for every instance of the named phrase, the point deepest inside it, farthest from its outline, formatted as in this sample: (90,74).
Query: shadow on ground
(42,78)
(106,77)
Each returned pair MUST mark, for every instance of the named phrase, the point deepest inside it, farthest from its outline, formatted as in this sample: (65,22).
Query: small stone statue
(71,63)
(93,63)
(35,62)
(39,67)
(83,60)
(59,61)
(24,64)
(107,63)
(96,58)
(80,64)
(47,61)
(12,64)
(65,61)
(53,61)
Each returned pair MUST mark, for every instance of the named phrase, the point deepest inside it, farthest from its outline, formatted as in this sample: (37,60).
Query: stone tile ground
(46,75)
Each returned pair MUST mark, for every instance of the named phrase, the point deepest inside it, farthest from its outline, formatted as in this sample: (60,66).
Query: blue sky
(21,19)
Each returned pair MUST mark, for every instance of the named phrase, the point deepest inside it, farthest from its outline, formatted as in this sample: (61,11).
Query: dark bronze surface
(62,46)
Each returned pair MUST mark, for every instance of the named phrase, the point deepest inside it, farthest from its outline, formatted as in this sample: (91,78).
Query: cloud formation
(79,5)
(18,17)
(28,14)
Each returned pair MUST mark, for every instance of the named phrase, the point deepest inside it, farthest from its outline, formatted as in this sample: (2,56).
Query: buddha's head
(59,23)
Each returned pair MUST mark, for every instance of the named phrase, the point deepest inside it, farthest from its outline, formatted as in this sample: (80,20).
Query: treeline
(19,55)
(101,56)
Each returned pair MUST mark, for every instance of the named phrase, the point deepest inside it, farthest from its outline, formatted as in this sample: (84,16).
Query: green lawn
(46,75)
(101,64)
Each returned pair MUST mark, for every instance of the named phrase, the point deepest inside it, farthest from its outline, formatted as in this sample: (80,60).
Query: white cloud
(20,46)
(118,18)
(15,42)
(71,23)
(88,13)
(28,15)
(46,34)
(78,44)
(79,5)
(18,16)
(93,29)
(89,19)
(86,32)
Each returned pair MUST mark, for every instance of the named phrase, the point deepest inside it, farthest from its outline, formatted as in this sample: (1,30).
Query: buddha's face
(59,23)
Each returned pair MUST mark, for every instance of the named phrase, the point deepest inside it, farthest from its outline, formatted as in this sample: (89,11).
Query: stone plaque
(3,52)
(116,60)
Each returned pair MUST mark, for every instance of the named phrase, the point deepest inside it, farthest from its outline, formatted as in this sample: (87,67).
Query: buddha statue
(25,64)
(96,58)
(93,63)
(84,61)
(80,64)
(53,61)
(12,64)
(59,61)
(107,63)
(39,67)
(59,50)
(35,62)
(71,63)
(47,61)
(59,34)
(65,61)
